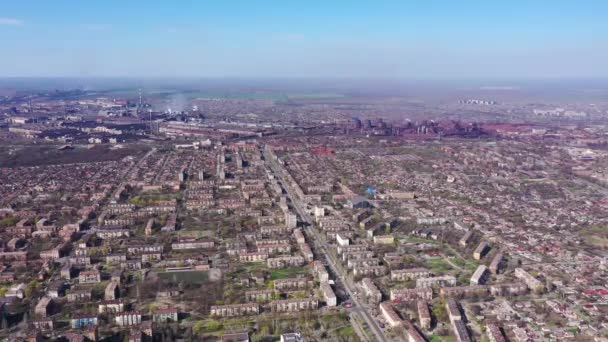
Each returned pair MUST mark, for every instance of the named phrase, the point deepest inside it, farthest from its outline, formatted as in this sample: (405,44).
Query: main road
(324,248)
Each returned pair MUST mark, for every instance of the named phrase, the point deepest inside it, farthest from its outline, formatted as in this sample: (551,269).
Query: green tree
(213,325)
(440,311)
(32,289)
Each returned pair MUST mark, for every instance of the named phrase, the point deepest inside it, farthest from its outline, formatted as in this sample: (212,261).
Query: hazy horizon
(340,39)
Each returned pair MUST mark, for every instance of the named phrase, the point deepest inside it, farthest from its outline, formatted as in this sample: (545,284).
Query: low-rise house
(66,271)
(533,283)
(294,305)
(116,258)
(192,244)
(320,271)
(293,283)
(351,255)
(461,332)
(496,263)
(151,256)
(371,290)
(465,238)
(274,248)
(351,248)
(424,315)
(494,333)
(111,306)
(80,260)
(453,310)
(83,321)
(342,241)
(112,291)
(384,239)
(413,334)
(482,249)
(253,257)
(389,314)
(328,294)
(480,275)
(411,294)
(508,289)
(44,306)
(442,281)
(236,337)
(299,236)
(285,261)
(369,271)
(79,295)
(44,324)
(410,273)
(259,295)
(165,315)
(464,291)
(89,277)
(140,248)
(56,289)
(125,319)
(291,337)
(306,252)
(360,263)
(234,310)
(17,291)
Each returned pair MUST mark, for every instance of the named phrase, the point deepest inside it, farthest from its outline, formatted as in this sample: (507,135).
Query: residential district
(123,223)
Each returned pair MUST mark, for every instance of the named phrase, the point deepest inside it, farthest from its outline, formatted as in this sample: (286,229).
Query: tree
(440,311)
(32,289)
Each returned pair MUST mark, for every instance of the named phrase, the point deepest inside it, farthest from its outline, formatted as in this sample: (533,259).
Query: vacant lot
(18,156)
(596,236)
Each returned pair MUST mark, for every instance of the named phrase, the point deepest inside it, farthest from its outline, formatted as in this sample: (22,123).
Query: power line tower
(141,103)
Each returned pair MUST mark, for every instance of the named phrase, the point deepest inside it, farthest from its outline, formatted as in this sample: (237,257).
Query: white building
(480,276)
(328,294)
(342,241)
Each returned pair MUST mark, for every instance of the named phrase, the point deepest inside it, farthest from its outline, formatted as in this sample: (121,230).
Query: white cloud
(11,22)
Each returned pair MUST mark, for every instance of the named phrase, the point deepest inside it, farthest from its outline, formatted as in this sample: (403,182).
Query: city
(319,171)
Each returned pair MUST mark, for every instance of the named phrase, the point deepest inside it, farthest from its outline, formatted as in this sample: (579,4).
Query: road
(324,248)
(131,171)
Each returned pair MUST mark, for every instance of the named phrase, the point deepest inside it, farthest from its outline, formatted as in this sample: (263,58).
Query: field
(596,236)
(37,155)
(438,265)
(288,273)
(190,277)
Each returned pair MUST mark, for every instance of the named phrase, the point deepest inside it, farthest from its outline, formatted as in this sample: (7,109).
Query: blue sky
(407,39)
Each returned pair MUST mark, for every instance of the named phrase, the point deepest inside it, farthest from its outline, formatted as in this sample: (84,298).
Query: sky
(404,39)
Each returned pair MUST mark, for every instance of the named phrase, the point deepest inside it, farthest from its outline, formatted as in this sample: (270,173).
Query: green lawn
(191,277)
(348,331)
(438,265)
(288,272)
